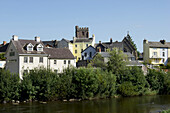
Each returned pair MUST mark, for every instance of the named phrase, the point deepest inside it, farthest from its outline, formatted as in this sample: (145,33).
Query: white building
(22,56)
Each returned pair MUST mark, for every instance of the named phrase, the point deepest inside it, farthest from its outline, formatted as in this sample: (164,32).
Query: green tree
(97,61)
(116,63)
(9,86)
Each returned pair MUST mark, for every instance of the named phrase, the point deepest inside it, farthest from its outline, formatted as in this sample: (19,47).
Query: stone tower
(82,32)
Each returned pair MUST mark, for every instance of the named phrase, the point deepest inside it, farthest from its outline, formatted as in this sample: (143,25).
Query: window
(31,59)
(163,60)
(29,48)
(75,51)
(156,60)
(12,54)
(85,54)
(55,62)
(25,59)
(69,62)
(25,72)
(155,53)
(31,71)
(163,54)
(81,50)
(87,45)
(76,57)
(39,49)
(76,45)
(64,61)
(83,33)
(41,60)
(56,71)
(90,54)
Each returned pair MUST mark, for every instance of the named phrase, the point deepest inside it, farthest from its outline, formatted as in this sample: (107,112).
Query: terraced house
(156,52)
(22,56)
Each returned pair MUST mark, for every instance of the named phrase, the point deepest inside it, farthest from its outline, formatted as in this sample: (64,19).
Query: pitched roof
(59,53)
(111,45)
(158,44)
(20,46)
(4,47)
(52,43)
(104,54)
(83,39)
(88,47)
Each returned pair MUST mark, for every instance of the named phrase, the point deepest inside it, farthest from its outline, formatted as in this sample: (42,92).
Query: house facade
(156,52)
(88,53)
(22,56)
(125,45)
(81,41)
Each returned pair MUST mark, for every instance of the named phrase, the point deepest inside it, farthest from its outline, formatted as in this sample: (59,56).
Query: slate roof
(111,45)
(20,46)
(52,43)
(104,54)
(4,47)
(57,53)
(88,47)
(159,44)
(83,39)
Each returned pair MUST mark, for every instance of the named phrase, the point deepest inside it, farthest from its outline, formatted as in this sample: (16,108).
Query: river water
(143,104)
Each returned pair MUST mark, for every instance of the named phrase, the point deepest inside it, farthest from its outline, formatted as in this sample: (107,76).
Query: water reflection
(144,104)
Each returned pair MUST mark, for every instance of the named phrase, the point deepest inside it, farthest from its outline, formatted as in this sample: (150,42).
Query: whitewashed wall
(59,66)
(30,66)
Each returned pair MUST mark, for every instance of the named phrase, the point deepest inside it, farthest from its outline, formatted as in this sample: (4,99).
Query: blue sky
(56,19)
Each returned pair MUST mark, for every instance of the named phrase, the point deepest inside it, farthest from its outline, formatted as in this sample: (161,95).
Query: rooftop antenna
(127,32)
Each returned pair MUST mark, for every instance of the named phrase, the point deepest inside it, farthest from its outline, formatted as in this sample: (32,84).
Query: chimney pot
(110,40)
(37,39)
(145,41)
(4,42)
(15,38)
(163,41)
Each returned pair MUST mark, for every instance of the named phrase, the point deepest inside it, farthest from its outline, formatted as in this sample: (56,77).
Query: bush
(9,86)
(86,83)
(40,84)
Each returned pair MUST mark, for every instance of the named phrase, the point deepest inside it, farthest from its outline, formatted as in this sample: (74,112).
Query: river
(143,104)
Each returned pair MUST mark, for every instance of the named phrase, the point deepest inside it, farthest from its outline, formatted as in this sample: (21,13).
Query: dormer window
(39,47)
(30,47)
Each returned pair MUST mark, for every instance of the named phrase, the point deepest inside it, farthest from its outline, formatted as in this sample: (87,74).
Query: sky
(56,19)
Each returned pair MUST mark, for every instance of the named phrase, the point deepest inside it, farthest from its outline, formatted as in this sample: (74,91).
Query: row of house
(22,56)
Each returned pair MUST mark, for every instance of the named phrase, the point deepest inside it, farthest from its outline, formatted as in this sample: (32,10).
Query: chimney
(163,41)
(100,50)
(145,41)
(99,42)
(37,39)
(110,40)
(15,38)
(4,42)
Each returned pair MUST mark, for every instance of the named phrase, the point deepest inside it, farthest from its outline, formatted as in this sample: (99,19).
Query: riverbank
(81,84)
(142,104)
(166,111)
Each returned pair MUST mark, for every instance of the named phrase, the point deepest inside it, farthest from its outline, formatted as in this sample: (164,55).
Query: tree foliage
(97,61)
(116,63)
